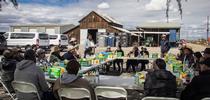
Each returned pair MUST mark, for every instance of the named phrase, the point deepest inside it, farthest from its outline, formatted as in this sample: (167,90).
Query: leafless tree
(179,2)
(14,2)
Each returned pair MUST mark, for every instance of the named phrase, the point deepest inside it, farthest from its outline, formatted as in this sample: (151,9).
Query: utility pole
(208,30)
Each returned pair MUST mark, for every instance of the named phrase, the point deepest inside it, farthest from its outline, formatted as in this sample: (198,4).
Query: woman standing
(89,46)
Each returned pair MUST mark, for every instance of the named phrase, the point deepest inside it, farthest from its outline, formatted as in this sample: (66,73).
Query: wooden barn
(96,23)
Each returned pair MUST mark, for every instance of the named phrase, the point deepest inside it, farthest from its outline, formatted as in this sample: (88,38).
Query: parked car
(3,44)
(60,40)
(23,39)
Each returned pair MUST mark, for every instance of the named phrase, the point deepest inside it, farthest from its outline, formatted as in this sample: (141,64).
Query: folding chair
(4,86)
(159,98)
(110,92)
(207,98)
(25,87)
(74,93)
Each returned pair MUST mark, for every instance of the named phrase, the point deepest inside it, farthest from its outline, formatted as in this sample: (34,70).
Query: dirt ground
(195,48)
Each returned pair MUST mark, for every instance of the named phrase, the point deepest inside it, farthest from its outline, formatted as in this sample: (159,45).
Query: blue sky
(128,12)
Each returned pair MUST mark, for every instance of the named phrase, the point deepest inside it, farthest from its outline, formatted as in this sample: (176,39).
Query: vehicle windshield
(64,37)
(43,36)
(22,35)
(53,37)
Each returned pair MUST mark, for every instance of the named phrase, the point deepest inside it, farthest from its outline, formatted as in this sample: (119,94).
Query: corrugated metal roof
(124,30)
(160,25)
(107,18)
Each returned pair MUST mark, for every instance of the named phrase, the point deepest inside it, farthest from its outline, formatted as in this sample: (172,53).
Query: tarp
(172,36)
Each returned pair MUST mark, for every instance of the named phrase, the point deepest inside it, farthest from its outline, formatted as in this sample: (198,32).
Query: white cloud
(103,5)
(155,5)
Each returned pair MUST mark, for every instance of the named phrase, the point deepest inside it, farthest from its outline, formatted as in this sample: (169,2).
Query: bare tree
(179,2)
(14,2)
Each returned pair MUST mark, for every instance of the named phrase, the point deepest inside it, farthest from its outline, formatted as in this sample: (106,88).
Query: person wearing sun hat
(199,87)
(164,45)
(71,53)
(55,55)
(188,58)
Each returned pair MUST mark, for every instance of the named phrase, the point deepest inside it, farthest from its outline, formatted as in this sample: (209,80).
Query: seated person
(71,54)
(8,66)
(108,64)
(119,62)
(144,53)
(71,80)
(27,71)
(199,87)
(160,82)
(55,55)
(188,58)
(17,54)
(132,62)
(41,58)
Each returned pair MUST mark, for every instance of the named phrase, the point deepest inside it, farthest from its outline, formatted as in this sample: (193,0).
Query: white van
(23,39)
(58,40)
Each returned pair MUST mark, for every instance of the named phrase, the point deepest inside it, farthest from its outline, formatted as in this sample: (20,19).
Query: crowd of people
(24,66)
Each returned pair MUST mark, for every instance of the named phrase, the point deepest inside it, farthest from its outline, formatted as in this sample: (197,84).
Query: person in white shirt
(89,46)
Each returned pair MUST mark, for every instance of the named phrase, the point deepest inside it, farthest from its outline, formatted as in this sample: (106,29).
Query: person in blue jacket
(164,45)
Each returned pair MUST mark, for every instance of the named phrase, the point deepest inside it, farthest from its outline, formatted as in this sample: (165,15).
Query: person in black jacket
(8,66)
(160,82)
(119,62)
(199,86)
(55,55)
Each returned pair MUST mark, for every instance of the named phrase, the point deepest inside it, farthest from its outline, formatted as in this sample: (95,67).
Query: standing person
(199,87)
(55,55)
(160,82)
(89,45)
(27,71)
(144,53)
(108,64)
(71,80)
(164,46)
(119,62)
(8,66)
(132,62)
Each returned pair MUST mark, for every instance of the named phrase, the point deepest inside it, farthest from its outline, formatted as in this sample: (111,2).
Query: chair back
(207,98)
(4,86)
(74,93)
(110,92)
(159,98)
(25,87)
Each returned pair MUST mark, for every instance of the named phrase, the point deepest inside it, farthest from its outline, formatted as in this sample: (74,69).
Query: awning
(156,32)
(123,30)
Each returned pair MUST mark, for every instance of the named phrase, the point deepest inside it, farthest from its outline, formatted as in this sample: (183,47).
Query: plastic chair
(10,94)
(25,87)
(74,93)
(159,98)
(110,92)
(207,98)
